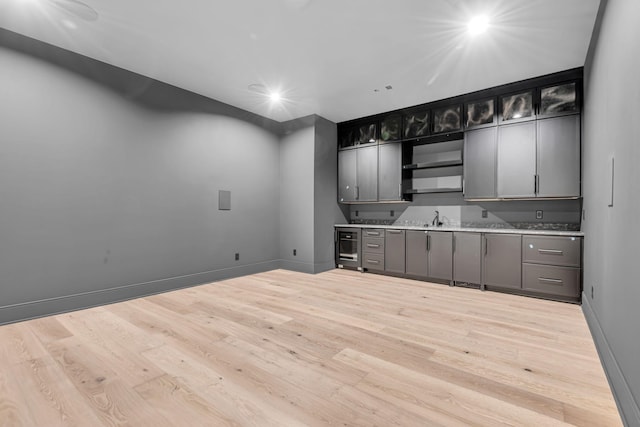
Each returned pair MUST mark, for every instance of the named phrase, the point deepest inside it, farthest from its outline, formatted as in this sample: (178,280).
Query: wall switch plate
(295,252)
(224,200)
(484,213)
(539,214)
(237,256)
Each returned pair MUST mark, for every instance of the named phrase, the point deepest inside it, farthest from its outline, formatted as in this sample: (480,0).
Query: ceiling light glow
(478,25)
(275,97)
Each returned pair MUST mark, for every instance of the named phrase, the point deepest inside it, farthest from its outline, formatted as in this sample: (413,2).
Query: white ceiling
(325,56)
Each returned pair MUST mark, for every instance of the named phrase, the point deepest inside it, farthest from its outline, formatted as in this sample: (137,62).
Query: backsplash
(454,211)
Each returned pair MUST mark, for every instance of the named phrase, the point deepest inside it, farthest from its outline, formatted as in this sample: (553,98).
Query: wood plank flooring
(280,348)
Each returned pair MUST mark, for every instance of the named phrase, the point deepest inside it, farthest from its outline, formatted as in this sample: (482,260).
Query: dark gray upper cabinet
(467,257)
(390,172)
(416,253)
(558,153)
(516,165)
(502,260)
(480,163)
(367,174)
(441,255)
(347,176)
(394,251)
(358,174)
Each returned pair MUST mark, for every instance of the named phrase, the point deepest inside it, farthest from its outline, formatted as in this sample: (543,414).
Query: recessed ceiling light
(478,25)
(275,97)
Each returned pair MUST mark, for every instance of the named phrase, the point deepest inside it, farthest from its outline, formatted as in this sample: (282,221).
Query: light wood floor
(286,349)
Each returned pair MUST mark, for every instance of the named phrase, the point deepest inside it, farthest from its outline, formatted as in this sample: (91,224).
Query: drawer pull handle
(372,245)
(556,281)
(394,231)
(373,261)
(550,252)
(372,233)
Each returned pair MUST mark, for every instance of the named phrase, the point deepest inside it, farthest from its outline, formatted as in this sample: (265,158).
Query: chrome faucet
(436,220)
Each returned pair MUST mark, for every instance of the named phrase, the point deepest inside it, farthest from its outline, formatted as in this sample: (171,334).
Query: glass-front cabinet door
(367,133)
(480,113)
(416,124)
(447,119)
(517,107)
(391,128)
(559,99)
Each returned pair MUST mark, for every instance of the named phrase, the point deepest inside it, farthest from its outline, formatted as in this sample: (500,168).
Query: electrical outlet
(357,213)
(485,213)
(237,256)
(295,252)
(539,214)
(392,213)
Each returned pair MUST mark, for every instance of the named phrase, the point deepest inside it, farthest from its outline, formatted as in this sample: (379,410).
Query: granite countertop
(488,229)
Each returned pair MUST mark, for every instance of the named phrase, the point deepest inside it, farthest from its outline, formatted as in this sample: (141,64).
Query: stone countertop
(470,229)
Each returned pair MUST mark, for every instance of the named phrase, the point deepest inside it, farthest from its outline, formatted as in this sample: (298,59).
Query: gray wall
(611,129)
(109,193)
(327,212)
(296,198)
(308,194)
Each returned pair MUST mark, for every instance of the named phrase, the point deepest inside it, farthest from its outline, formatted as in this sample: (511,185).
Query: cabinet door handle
(357,192)
(399,191)
(545,279)
(486,245)
(453,243)
(550,252)
(535,184)
(428,242)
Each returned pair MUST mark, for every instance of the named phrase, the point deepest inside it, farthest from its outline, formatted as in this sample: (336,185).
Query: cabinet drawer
(373,245)
(373,261)
(372,232)
(554,250)
(550,279)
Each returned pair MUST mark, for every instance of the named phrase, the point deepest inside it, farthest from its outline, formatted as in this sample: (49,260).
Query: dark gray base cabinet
(441,255)
(394,251)
(502,261)
(416,253)
(467,257)
(429,254)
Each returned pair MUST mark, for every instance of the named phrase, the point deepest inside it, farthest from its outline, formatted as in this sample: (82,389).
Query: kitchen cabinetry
(440,248)
(558,153)
(429,254)
(467,257)
(552,265)
(394,251)
(480,163)
(502,261)
(390,172)
(516,164)
(358,174)
(416,253)
(373,249)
